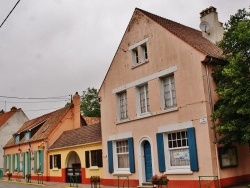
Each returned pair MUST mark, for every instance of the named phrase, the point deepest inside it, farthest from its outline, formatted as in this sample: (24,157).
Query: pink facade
(156,104)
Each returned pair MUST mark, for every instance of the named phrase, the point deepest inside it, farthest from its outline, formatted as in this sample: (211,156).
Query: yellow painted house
(76,154)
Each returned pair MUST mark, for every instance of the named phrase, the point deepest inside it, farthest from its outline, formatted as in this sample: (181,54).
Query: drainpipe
(213,123)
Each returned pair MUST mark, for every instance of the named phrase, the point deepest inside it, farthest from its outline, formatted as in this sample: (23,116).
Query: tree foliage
(232,111)
(90,105)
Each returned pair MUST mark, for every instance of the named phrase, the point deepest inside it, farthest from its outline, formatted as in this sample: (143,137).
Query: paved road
(16,185)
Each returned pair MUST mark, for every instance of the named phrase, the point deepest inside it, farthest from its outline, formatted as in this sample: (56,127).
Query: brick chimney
(211,28)
(77,114)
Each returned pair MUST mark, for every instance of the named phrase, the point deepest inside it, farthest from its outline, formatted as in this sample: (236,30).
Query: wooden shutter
(59,161)
(18,162)
(87,162)
(28,163)
(160,151)
(192,149)
(24,168)
(42,160)
(35,161)
(110,156)
(99,158)
(50,161)
(131,154)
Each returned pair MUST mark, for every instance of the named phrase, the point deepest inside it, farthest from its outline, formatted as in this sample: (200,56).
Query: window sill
(122,173)
(94,168)
(171,109)
(139,64)
(179,171)
(55,169)
(143,115)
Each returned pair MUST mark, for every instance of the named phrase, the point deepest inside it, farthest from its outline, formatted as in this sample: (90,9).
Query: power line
(10,13)
(35,98)
(43,109)
(63,100)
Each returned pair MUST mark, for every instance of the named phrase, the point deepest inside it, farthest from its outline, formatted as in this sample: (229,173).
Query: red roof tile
(6,115)
(83,135)
(46,122)
(189,35)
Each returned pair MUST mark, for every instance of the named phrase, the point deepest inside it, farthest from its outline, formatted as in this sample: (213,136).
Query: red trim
(234,180)
(122,183)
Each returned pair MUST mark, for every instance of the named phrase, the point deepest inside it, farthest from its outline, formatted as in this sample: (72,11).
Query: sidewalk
(52,184)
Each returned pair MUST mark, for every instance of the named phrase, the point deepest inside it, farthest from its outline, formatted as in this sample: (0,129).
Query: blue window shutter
(160,150)
(23,154)
(131,155)
(41,160)
(12,162)
(35,161)
(110,156)
(5,162)
(18,162)
(28,165)
(192,149)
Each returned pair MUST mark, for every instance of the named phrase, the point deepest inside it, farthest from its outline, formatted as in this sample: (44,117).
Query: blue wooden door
(148,161)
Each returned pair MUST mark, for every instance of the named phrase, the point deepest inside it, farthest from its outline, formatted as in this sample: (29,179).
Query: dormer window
(17,139)
(27,136)
(139,52)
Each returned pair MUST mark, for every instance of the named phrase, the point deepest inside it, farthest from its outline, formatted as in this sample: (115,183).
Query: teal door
(148,161)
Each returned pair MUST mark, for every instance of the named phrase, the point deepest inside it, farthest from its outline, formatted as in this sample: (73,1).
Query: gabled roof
(189,35)
(5,116)
(44,125)
(83,135)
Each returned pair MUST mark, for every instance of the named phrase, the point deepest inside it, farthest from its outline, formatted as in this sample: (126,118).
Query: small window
(17,139)
(135,56)
(139,52)
(27,136)
(122,100)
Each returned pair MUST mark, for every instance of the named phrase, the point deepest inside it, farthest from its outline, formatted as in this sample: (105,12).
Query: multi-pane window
(55,161)
(178,149)
(122,153)
(122,97)
(144,99)
(169,94)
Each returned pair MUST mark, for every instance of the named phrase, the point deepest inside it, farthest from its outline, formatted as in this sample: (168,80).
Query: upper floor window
(17,139)
(122,100)
(139,52)
(169,93)
(27,136)
(143,99)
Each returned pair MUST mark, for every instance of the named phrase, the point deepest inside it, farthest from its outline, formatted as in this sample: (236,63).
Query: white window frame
(116,166)
(91,156)
(139,52)
(122,105)
(143,105)
(55,158)
(169,150)
(168,85)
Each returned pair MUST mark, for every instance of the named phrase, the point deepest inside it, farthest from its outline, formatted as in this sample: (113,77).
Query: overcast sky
(51,48)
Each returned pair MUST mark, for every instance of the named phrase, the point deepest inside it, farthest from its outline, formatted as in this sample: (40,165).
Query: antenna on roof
(205,27)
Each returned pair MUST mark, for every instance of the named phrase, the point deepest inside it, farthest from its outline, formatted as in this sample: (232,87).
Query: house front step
(146,185)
